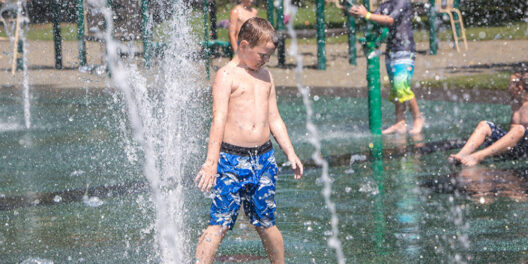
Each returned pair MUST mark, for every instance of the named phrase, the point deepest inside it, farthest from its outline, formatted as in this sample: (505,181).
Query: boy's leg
(399,126)
(223,212)
(273,243)
(476,139)
(400,67)
(418,120)
(209,243)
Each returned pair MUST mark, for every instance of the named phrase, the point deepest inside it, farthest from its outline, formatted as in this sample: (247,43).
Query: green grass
(515,31)
(490,81)
(45,32)
(512,31)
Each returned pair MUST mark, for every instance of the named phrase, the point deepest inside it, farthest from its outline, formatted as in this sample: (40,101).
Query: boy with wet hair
(240,14)
(240,165)
(514,142)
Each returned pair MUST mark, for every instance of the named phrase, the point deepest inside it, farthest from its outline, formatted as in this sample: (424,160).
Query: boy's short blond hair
(257,30)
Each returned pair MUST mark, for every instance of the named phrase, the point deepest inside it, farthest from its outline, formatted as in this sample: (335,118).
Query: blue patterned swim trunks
(246,176)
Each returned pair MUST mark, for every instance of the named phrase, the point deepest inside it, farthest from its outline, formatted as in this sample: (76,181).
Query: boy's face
(515,86)
(258,56)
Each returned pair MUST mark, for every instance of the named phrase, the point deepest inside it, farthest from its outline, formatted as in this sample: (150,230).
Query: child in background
(399,59)
(497,141)
(240,14)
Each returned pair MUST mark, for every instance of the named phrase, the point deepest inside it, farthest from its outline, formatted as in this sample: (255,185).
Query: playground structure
(12,16)
(374,36)
(127,33)
(87,25)
(275,14)
(455,17)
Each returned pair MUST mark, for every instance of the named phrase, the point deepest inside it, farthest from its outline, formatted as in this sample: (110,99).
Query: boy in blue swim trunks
(399,59)
(514,142)
(240,166)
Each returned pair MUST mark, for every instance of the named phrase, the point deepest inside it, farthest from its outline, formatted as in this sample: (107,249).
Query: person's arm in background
(397,8)
(233,19)
(361,12)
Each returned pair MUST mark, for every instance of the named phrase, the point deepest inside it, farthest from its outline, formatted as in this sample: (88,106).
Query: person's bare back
(240,14)
(247,122)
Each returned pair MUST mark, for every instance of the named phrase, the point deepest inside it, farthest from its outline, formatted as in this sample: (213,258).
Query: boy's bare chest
(250,91)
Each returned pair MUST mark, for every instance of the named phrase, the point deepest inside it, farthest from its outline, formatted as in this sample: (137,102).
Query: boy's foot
(454,159)
(467,160)
(399,128)
(418,124)
(418,140)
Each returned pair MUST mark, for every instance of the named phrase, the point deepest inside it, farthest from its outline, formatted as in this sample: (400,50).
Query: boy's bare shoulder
(226,69)
(265,75)
(224,75)
(523,114)
(236,9)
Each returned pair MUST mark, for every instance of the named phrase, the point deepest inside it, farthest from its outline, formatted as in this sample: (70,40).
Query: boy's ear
(243,44)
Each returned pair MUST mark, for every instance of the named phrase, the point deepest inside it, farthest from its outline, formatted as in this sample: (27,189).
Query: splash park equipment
(141,16)
(451,8)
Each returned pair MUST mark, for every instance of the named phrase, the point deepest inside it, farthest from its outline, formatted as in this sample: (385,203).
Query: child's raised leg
(476,139)
(400,126)
(418,120)
(209,243)
(273,243)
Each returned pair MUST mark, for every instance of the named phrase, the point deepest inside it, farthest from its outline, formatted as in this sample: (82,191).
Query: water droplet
(93,201)
(57,199)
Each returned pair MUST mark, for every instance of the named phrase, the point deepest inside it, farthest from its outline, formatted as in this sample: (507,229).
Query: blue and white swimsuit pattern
(246,176)
(518,151)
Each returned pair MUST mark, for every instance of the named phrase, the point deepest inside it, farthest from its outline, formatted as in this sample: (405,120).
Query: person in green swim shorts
(400,55)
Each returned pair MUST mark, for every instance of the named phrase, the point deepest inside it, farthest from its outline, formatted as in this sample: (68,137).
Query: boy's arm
(280,133)
(233,19)
(361,11)
(508,141)
(221,91)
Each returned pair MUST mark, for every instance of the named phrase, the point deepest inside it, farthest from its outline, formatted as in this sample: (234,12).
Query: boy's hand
(206,178)
(358,11)
(296,166)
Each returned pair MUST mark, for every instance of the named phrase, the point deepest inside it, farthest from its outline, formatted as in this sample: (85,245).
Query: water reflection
(485,185)
(376,152)
(406,195)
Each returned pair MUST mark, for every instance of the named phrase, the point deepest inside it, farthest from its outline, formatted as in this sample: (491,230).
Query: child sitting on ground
(515,141)
(240,14)
(240,164)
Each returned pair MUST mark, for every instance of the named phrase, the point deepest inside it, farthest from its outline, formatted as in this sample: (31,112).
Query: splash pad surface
(70,193)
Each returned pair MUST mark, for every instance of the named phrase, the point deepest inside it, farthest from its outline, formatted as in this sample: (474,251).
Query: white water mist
(163,109)
(333,240)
